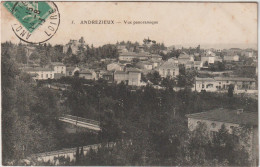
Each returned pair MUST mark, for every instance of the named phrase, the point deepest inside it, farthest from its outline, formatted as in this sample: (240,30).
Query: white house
(222,84)
(169,68)
(58,67)
(55,71)
(130,76)
(40,73)
(230,58)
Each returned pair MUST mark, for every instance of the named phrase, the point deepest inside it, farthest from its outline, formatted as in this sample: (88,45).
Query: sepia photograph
(134,83)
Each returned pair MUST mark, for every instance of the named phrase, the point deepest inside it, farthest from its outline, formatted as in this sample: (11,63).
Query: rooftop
(86,71)
(132,70)
(184,56)
(57,64)
(37,69)
(225,79)
(233,79)
(169,65)
(227,116)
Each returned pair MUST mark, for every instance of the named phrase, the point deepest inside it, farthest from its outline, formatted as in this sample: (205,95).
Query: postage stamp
(36,22)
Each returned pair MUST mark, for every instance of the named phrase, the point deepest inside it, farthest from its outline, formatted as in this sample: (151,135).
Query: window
(42,76)
(202,85)
(227,81)
(70,73)
(50,75)
(46,75)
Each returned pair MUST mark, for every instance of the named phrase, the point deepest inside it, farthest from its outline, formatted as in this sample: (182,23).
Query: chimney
(239,111)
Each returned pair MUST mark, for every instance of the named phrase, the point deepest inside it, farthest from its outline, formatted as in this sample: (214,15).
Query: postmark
(36,22)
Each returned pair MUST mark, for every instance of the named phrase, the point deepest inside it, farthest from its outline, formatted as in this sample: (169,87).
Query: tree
(69,51)
(155,77)
(34,56)
(21,54)
(44,61)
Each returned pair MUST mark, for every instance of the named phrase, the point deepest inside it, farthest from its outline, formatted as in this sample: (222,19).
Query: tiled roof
(184,56)
(197,62)
(233,79)
(132,70)
(225,79)
(169,65)
(57,64)
(204,79)
(86,71)
(120,72)
(70,68)
(37,69)
(227,116)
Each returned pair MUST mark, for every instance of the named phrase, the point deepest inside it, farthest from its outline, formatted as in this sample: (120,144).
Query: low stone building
(232,119)
(222,83)
(88,74)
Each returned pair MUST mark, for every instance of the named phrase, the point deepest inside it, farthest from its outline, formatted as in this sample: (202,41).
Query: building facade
(222,83)
(169,69)
(233,120)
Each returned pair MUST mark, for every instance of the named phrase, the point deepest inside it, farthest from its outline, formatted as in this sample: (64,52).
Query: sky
(179,23)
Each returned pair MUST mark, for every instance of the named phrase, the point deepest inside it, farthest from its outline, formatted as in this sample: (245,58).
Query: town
(129,103)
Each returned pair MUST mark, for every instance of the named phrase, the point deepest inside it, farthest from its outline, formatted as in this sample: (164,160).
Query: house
(145,65)
(174,60)
(222,84)
(129,56)
(232,119)
(40,73)
(184,58)
(155,63)
(88,74)
(58,67)
(121,49)
(154,57)
(169,69)
(115,67)
(231,58)
(134,76)
(54,71)
(130,76)
(198,65)
(70,71)
(120,76)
